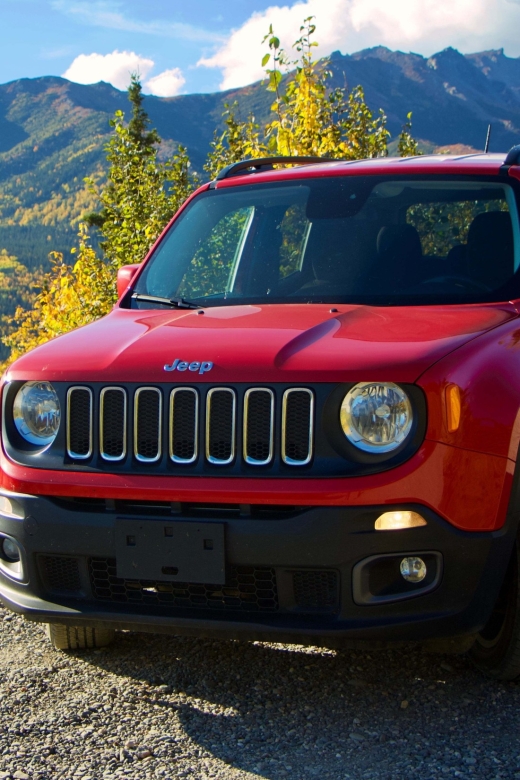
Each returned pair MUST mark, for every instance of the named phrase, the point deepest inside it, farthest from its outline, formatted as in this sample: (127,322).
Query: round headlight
(376,416)
(36,413)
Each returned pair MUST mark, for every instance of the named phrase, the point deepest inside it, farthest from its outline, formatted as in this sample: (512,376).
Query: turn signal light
(396,521)
(453,407)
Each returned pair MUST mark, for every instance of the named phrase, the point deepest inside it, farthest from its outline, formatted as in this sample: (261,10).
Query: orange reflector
(453,407)
(395,521)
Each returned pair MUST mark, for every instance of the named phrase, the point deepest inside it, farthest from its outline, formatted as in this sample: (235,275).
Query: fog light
(394,521)
(10,550)
(413,569)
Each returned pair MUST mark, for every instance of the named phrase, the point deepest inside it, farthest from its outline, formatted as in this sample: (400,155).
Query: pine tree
(141,193)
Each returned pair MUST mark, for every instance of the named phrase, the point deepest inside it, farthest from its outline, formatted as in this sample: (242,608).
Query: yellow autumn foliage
(71,295)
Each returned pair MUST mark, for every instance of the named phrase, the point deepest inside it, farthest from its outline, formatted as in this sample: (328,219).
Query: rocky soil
(164,707)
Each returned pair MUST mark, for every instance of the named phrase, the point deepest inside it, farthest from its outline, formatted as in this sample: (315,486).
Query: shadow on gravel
(289,711)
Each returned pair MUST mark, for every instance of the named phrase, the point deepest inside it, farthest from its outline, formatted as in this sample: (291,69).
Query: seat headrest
(490,248)
(338,249)
(402,240)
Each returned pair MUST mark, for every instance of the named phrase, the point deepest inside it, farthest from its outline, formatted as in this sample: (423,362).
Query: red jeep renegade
(300,422)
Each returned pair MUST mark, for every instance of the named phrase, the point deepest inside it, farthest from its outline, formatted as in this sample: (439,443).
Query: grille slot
(60,573)
(316,591)
(184,427)
(147,424)
(247,588)
(79,423)
(297,426)
(112,423)
(258,426)
(220,425)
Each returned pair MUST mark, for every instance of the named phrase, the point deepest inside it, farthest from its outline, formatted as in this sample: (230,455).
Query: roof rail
(266,164)
(513,158)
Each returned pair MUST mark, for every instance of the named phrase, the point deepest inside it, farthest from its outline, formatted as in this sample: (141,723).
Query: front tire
(496,650)
(78,637)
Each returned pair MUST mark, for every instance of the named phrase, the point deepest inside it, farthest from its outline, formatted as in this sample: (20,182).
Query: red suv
(299,423)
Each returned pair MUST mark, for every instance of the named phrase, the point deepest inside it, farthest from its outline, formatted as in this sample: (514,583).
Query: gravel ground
(167,707)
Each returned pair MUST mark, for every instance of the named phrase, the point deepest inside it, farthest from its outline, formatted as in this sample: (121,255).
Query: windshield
(351,239)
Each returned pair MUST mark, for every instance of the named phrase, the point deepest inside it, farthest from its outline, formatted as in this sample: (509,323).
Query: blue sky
(43,37)
(182,46)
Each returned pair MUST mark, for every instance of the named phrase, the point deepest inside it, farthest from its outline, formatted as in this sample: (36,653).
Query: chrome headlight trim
(37,413)
(376,417)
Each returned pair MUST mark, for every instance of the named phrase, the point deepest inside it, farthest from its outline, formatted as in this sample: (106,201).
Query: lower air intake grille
(247,588)
(316,591)
(60,574)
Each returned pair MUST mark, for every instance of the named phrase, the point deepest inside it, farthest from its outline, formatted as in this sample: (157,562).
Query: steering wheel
(459,281)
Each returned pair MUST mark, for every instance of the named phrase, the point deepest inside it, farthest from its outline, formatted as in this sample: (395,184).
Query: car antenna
(488,136)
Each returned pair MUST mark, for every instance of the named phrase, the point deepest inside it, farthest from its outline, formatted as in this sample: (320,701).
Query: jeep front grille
(221,425)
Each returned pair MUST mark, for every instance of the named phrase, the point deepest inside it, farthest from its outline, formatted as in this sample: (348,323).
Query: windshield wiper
(176,303)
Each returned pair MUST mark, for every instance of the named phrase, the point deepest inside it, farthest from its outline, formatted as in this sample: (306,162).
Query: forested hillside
(52,132)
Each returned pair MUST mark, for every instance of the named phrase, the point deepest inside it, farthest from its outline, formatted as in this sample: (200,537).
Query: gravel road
(166,707)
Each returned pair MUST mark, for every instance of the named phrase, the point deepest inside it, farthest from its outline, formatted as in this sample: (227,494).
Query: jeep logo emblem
(181,365)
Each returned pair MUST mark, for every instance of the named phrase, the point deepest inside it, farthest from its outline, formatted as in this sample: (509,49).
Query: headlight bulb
(376,417)
(36,413)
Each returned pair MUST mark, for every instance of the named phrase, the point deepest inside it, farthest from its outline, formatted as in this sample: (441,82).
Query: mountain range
(53,131)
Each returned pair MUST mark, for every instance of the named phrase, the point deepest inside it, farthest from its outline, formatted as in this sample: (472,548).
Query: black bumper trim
(326,538)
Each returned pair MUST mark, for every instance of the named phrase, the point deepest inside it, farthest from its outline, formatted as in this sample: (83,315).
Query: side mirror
(124,276)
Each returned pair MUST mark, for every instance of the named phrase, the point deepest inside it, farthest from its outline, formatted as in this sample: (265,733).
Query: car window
(360,239)
(443,226)
(212,268)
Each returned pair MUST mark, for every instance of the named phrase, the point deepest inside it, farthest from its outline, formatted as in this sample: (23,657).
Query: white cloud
(116,68)
(166,84)
(423,26)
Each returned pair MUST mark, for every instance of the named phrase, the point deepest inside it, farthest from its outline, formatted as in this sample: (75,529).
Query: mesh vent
(60,573)
(297,426)
(184,428)
(148,404)
(247,588)
(220,433)
(79,422)
(316,591)
(258,426)
(113,423)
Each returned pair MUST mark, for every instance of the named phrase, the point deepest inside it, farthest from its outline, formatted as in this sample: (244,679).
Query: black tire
(78,637)
(496,650)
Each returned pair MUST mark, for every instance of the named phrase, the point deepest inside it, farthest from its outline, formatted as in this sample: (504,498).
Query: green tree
(308,118)
(141,193)
(70,296)
(407,146)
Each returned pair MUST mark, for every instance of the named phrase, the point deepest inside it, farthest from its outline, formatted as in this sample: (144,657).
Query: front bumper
(299,572)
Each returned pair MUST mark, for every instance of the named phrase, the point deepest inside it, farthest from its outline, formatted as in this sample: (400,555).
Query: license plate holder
(170,550)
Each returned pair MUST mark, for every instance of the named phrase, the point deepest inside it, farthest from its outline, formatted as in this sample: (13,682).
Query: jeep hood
(274,343)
